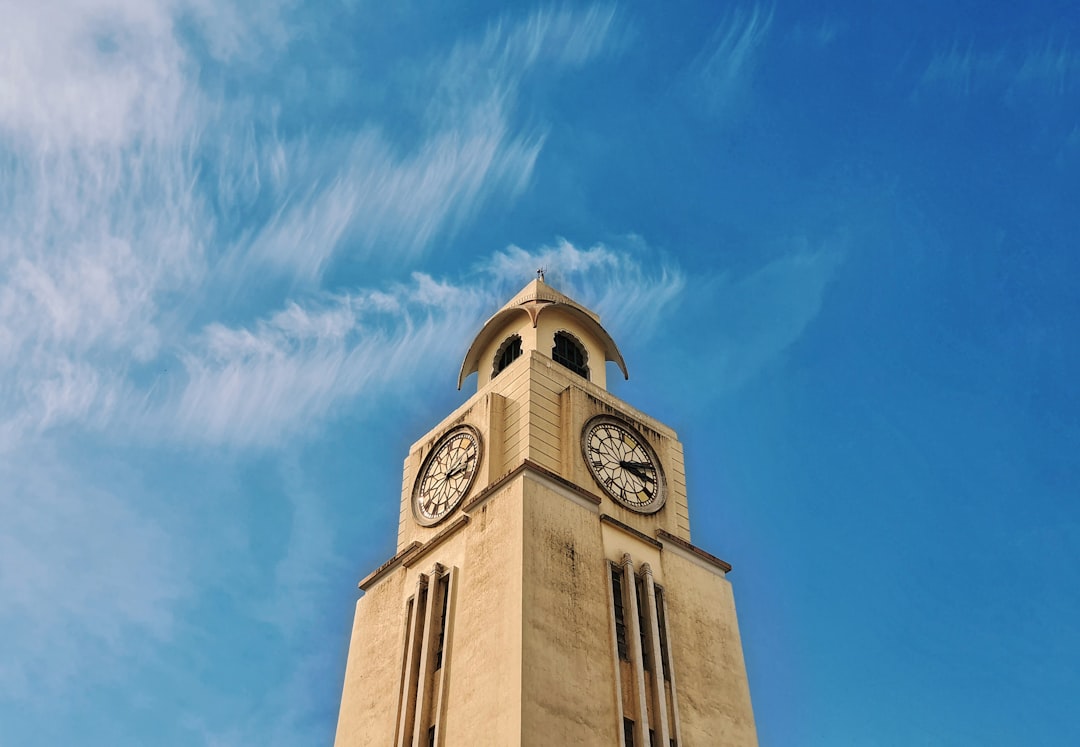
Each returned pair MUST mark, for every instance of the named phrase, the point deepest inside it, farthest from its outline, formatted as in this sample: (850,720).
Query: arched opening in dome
(507,353)
(569,352)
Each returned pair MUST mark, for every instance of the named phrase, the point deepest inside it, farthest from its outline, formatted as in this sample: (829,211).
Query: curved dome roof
(533,300)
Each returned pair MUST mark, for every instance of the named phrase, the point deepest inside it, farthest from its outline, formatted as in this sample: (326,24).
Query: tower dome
(543,319)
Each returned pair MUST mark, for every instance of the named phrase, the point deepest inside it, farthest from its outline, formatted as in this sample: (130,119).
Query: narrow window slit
(643,628)
(620,613)
(661,624)
(444,592)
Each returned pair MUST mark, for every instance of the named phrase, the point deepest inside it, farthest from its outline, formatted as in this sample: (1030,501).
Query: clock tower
(545,589)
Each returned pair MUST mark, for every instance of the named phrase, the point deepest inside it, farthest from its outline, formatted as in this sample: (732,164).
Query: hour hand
(640,469)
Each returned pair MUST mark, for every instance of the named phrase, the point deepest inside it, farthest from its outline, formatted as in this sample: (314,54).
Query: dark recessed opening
(570,353)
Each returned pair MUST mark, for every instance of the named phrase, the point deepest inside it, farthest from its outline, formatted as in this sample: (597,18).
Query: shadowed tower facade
(545,590)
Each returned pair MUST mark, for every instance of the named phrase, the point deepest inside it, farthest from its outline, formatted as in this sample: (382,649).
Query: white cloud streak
(724,69)
(761,314)
(627,293)
(97,73)
(101,217)
(112,233)
(379,202)
(1049,67)
(257,384)
(252,386)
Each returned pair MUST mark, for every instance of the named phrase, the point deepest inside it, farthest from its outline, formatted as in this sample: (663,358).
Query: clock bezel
(426,464)
(660,499)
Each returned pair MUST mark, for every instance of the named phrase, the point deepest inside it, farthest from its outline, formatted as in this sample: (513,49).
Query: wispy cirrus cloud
(257,384)
(724,68)
(748,320)
(821,34)
(379,201)
(101,215)
(759,315)
(509,51)
(1049,67)
(96,73)
(103,233)
(630,286)
(120,193)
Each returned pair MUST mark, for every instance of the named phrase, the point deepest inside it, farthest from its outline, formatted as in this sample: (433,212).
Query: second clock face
(446,475)
(623,464)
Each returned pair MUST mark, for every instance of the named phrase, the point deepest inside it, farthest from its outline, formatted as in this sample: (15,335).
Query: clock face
(623,464)
(446,475)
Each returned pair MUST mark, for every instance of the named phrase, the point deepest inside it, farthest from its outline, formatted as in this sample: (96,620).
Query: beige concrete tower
(545,590)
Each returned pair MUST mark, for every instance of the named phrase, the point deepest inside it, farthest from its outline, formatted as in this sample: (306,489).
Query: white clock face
(446,475)
(624,464)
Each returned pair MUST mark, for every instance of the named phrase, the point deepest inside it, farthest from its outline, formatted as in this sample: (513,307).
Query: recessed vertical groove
(410,681)
(637,656)
(660,709)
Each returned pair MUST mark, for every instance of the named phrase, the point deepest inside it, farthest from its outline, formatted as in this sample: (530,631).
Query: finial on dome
(540,274)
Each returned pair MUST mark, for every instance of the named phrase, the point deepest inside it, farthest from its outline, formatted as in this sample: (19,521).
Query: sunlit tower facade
(545,589)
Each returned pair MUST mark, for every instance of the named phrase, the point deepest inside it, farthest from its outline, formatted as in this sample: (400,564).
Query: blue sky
(244,247)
